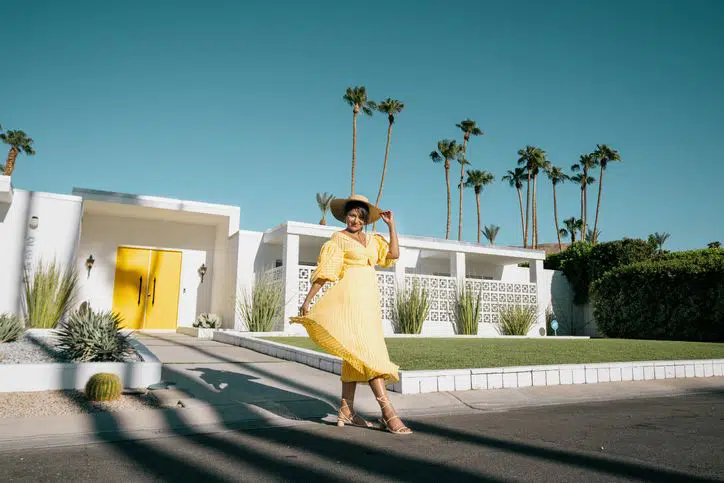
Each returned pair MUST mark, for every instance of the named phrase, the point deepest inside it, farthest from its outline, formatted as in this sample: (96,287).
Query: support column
(457,268)
(290,263)
(536,277)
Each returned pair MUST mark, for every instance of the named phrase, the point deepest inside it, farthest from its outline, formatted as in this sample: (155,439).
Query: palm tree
(324,200)
(476,180)
(357,98)
(515,178)
(469,128)
(585,163)
(592,235)
(557,176)
(714,244)
(603,155)
(447,150)
(532,159)
(18,141)
(540,163)
(573,225)
(490,232)
(658,239)
(391,107)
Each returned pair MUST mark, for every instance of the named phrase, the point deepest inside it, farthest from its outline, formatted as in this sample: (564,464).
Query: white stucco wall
(56,237)
(102,235)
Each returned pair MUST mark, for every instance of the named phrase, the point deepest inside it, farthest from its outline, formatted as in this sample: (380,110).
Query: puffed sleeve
(383,248)
(329,263)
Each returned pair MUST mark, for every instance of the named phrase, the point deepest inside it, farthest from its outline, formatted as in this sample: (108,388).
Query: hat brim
(337,208)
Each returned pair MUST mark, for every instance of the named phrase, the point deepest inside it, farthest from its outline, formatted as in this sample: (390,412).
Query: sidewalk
(220,387)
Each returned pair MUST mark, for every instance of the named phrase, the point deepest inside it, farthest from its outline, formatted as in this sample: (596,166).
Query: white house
(160,262)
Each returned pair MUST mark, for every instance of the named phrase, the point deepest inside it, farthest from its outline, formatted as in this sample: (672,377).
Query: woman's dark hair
(351,205)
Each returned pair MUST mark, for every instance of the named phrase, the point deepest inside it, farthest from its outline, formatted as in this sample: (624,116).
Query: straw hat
(338,204)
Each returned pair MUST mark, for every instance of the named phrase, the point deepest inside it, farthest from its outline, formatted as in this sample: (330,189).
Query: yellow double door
(146,287)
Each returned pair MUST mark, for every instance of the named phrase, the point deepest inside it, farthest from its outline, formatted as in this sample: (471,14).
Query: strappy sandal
(342,419)
(402,430)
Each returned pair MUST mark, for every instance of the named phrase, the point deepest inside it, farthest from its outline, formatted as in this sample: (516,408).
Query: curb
(421,382)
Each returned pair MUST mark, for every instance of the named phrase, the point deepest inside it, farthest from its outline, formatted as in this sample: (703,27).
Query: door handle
(153,299)
(140,286)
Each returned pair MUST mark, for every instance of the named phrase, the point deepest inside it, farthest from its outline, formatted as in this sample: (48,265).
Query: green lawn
(448,353)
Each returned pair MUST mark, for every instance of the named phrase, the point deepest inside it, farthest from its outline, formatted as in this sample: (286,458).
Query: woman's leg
(349,386)
(388,412)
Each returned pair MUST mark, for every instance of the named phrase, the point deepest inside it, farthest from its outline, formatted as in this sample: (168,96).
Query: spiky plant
(11,328)
(262,306)
(324,200)
(93,336)
(466,311)
(103,386)
(517,319)
(410,309)
(207,321)
(49,294)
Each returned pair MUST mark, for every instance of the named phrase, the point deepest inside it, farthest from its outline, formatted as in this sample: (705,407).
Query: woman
(347,319)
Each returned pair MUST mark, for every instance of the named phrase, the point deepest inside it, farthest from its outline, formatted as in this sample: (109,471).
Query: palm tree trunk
(462,178)
(10,163)
(585,204)
(477,202)
(583,210)
(534,235)
(323,221)
(555,218)
(598,206)
(354,145)
(527,212)
(449,200)
(522,222)
(384,168)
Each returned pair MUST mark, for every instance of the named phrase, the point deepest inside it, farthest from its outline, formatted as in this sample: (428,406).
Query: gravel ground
(54,403)
(33,349)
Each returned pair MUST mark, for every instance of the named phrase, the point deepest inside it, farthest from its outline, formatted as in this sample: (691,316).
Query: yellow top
(347,319)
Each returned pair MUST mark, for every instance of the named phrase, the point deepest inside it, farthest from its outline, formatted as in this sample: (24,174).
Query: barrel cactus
(103,387)
(11,328)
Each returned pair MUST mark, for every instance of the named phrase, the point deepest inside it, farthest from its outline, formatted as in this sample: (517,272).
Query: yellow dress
(347,320)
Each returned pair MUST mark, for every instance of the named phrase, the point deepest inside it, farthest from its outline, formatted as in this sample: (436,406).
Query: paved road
(658,439)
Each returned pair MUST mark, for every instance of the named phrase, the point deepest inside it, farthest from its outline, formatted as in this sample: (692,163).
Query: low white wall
(102,235)
(56,237)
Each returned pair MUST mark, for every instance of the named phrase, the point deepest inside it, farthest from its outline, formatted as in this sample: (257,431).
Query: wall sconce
(202,271)
(89,263)
(33,223)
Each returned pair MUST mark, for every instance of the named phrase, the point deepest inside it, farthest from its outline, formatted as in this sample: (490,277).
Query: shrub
(207,321)
(11,328)
(679,297)
(517,319)
(261,308)
(90,336)
(466,312)
(410,309)
(583,263)
(49,294)
(103,387)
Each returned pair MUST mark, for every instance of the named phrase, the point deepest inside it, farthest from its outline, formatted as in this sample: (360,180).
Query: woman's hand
(304,309)
(388,217)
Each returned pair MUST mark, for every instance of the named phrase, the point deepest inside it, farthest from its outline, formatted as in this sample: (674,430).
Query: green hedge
(678,296)
(583,263)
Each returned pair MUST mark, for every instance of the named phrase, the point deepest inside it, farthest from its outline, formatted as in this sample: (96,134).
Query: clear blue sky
(241,103)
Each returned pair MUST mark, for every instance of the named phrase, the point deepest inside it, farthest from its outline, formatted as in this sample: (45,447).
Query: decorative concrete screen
(276,275)
(385,281)
(496,295)
(442,295)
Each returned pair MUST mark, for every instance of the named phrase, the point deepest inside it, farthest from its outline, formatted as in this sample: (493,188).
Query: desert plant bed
(458,353)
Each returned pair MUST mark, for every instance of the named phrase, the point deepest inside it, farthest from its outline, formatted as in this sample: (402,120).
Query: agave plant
(49,294)
(207,321)
(93,336)
(410,309)
(11,328)
(466,312)
(262,306)
(517,319)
